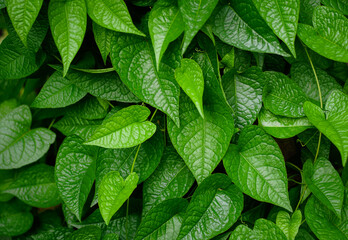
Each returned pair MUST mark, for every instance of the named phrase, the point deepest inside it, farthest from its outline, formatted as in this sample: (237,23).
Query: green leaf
(23,14)
(282,96)
(36,187)
(75,172)
(7,106)
(303,235)
(172,179)
(214,207)
(325,183)
(240,25)
(165,25)
(86,233)
(306,10)
(289,225)
(53,233)
(68,21)
(190,78)
(19,144)
(333,122)
(133,59)
(282,127)
(163,221)
(114,191)
(58,92)
(194,14)
(282,16)
(310,138)
(329,35)
(103,37)
(256,165)
(6,178)
(113,15)
(339,5)
(126,128)
(263,230)
(244,94)
(323,222)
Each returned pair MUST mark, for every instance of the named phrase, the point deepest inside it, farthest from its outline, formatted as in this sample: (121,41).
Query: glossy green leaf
(333,122)
(103,37)
(112,14)
(126,128)
(325,183)
(194,14)
(214,207)
(58,92)
(282,96)
(329,34)
(190,78)
(75,172)
(172,179)
(282,16)
(68,21)
(340,5)
(86,233)
(36,187)
(289,225)
(23,14)
(256,165)
(244,94)
(282,127)
(165,25)
(133,59)
(323,222)
(114,191)
(19,144)
(263,230)
(239,24)
(74,125)
(163,221)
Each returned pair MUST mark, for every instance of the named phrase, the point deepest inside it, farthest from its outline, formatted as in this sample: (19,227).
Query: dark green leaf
(86,233)
(103,37)
(74,125)
(340,5)
(306,10)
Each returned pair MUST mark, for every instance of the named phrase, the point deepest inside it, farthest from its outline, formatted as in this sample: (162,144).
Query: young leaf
(239,24)
(282,16)
(36,187)
(163,221)
(256,165)
(165,25)
(126,128)
(103,37)
(325,183)
(68,21)
(329,34)
(113,15)
(333,124)
(194,14)
(289,225)
(339,5)
(214,207)
(75,172)
(114,191)
(19,144)
(190,78)
(89,232)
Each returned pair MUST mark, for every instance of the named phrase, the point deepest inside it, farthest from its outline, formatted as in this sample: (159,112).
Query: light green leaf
(194,14)
(75,172)
(263,230)
(172,179)
(282,16)
(339,5)
(36,187)
(19,144)
(68,21)
(163,221)
(256,165)
(113,15)
(86,233)
(282,96)
(240,25)
(214,207)
(289,225)
(190,78)
(325,183)
(165,25)
(333,122)
(74,125)
(282,127)
(329,34)
(126,128)
(114,191)
(103,37)
(133,59)
(7,106)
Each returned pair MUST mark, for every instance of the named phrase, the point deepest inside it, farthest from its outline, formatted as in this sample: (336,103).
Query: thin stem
(292,180)
(135,157)
(127,219)
(153,115)
(51,124)
(318,147)
(294,166)
(104,70)
(299,202)
(112,106)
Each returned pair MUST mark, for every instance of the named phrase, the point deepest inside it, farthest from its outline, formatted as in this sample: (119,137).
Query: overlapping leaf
(103,37)
(340,5)
(289,225)
(74,125)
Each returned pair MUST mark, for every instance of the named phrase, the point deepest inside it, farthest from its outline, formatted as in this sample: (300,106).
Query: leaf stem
(294,166)
(51,124)
(299,202)
(104,70)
